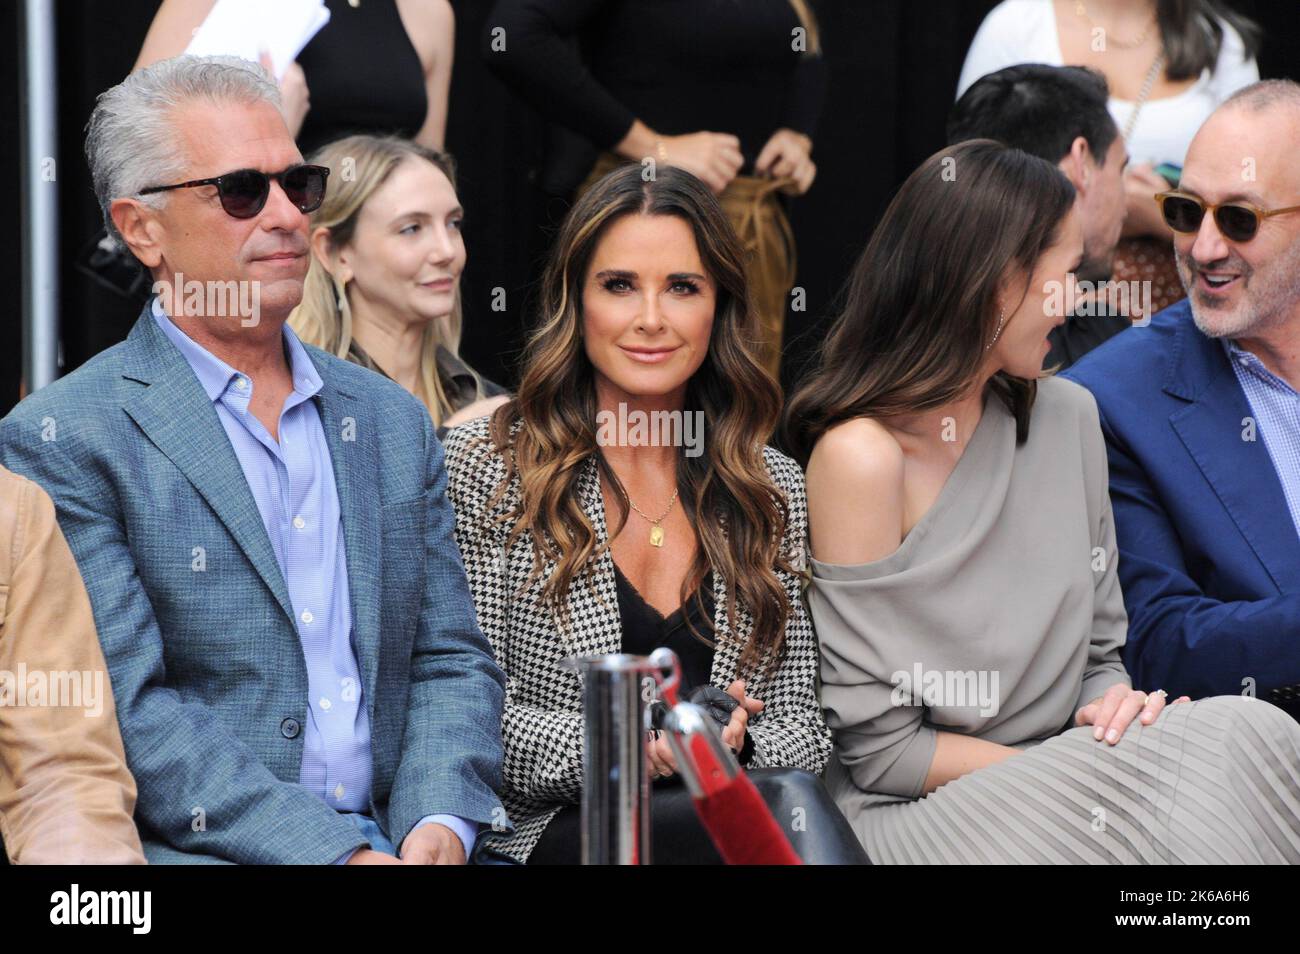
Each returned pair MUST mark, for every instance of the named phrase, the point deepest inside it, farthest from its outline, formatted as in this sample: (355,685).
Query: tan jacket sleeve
(66,796)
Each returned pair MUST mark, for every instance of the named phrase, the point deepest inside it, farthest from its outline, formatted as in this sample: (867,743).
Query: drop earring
(1002,317)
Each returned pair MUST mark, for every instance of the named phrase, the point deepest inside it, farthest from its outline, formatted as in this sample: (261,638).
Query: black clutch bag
(711,699)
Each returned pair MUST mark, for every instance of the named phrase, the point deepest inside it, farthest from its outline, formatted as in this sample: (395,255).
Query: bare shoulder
(861,452)
(855,493)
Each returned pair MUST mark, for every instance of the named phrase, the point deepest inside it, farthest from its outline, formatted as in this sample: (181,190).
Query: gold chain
(656,524)
(1081,9)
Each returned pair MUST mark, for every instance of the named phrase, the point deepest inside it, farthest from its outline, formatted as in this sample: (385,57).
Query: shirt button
(306,616)
(299,523)
(339,791)
(325,704)
(241,383)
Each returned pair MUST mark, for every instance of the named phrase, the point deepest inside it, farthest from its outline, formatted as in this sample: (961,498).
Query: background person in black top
(378,66)
(1059,113)
(729,90)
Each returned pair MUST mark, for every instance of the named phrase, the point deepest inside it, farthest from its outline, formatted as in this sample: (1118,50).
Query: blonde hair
(809,23)
(324,317)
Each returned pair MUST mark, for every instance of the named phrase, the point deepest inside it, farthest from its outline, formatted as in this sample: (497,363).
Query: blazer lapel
(1240,471)
(176,415)
(354,452)
(605,632)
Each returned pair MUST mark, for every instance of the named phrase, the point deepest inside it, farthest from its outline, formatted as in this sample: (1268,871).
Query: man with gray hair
(262,527)
(1201,411)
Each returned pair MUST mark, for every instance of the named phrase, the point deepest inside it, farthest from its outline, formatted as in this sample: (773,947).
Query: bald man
(1202,421)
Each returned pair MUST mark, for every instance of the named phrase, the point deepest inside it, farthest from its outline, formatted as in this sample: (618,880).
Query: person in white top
(1168,65)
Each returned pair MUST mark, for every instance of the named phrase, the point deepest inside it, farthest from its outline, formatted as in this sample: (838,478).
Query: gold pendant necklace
(656,524)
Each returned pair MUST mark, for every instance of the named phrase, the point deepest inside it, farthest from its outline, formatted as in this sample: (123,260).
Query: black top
(363,76)
(645,629)
(680,66)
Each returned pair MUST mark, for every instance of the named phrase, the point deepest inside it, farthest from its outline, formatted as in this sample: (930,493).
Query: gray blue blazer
(203,656)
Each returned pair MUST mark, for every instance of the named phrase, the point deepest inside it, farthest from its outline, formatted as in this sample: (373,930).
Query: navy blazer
(1209,557)
(204,658)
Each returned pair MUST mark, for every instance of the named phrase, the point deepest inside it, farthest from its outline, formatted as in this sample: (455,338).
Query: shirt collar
(216,377)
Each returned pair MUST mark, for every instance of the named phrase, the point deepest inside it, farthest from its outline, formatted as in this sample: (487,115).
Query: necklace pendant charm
(656,536)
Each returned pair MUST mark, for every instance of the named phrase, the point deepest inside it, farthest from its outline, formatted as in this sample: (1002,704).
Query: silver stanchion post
(617,690)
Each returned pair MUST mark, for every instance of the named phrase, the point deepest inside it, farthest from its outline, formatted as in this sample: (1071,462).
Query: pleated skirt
(1215,781)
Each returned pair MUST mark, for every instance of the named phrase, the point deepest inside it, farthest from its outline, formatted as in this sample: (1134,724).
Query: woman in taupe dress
(964,585)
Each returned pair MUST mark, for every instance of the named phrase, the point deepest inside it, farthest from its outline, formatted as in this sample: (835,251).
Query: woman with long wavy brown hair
(645,317)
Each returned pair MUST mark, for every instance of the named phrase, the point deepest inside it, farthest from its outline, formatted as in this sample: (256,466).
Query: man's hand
(368,856)
(433,844)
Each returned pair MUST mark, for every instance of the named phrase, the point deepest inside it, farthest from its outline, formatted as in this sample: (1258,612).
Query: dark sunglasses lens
(1182,215)
(1237,223)
(244,193)
(305,187)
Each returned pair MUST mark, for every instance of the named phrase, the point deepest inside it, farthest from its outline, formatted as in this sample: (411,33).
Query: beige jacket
(66,796)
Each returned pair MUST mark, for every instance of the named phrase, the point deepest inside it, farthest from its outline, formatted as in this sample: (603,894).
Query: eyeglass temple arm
(180,185)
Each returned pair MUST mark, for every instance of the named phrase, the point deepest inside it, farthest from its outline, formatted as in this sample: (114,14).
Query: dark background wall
(893,65)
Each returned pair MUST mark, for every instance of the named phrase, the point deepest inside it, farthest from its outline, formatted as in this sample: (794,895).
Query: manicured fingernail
(1112,736)
(1096,733)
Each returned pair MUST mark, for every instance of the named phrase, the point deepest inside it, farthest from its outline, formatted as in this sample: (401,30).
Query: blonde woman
(383,288)
(577,541)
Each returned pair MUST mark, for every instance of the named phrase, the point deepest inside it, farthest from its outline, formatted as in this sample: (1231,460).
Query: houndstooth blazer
(543,725)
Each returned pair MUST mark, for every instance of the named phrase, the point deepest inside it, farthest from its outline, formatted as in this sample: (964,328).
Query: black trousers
(798,800)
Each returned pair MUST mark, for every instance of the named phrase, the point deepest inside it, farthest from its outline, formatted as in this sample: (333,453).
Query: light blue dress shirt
(292,481)
(1276,406)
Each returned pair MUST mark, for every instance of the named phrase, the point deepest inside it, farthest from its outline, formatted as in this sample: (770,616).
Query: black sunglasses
(243,192)
(1238,221)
